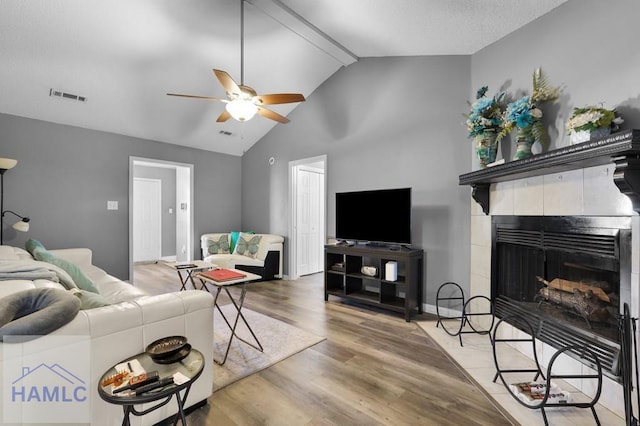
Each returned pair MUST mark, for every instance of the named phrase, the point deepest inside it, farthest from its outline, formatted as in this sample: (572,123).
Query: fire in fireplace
(568,275)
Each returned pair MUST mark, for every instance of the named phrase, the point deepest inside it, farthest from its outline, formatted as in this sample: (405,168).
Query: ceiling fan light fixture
(241,109)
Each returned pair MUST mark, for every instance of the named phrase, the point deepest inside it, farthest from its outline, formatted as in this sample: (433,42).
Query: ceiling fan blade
(279,98)
(272,115)
(227,82)
(207,98)
(224,116)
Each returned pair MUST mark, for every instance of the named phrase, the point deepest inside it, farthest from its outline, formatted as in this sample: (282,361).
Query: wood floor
(373,368)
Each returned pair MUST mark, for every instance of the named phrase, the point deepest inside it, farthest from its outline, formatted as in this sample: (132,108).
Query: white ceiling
(125,55)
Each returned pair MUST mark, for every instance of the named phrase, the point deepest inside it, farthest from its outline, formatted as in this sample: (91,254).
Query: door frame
(151,162)
(293,167)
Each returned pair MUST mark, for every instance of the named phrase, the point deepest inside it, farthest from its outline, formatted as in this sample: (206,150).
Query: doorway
(170,210)
(307,195)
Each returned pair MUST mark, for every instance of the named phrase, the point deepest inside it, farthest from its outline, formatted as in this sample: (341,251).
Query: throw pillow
(38,251)
(247,245)
(221,246)
(89,300)
(32,244)
(36,312)
(234,239)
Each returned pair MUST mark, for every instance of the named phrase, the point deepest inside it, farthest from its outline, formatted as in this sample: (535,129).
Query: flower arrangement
(486,113)
(591,118)
(524,114)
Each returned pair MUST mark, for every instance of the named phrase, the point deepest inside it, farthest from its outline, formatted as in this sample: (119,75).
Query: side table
(220,285)
(190,368)
(186,269)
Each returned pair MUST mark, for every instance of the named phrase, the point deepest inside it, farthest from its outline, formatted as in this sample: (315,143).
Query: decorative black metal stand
(458,294)
(584,351)
(629,357)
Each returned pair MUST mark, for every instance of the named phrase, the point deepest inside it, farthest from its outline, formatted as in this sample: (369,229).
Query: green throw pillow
(42,254)
(247,245)
(234,239)
(221,246)
(89,300)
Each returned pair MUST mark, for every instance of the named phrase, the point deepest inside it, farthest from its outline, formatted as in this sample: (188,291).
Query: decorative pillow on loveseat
(221,246)
(247,245)
(39,252)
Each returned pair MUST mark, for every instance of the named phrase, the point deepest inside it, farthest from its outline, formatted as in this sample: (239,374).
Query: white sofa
(266,262)
(115,332)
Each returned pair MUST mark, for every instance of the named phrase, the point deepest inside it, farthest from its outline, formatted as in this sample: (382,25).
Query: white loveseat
(264,260)
(115,332)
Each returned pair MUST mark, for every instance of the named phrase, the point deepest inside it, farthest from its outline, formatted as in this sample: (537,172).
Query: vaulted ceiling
(123,56)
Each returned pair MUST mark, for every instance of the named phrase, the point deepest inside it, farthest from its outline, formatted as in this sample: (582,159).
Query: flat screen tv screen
(377,216)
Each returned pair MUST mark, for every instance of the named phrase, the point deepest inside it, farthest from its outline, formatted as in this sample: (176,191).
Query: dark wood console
(343,277)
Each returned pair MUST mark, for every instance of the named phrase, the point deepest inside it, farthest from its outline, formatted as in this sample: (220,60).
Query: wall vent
(65,95)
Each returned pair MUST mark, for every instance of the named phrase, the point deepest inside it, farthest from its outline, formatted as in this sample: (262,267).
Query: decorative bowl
(370,271)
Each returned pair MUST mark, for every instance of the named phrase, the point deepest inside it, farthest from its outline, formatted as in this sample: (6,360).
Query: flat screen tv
(377,216)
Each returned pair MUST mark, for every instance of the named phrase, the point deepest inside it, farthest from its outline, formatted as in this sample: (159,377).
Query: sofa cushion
(36,312)
(247,245)
(220,246)
(8,253)
(90,300)
(39,252)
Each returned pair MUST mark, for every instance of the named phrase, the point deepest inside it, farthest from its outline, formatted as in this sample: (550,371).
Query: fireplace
(569,276)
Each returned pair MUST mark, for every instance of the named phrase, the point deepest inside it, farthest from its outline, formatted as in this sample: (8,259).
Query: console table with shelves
(343,277)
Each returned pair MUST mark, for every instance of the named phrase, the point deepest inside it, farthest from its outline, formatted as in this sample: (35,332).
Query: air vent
(65,95)
(225,132)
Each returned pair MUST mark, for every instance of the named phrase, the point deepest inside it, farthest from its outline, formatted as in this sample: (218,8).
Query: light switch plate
(112,205)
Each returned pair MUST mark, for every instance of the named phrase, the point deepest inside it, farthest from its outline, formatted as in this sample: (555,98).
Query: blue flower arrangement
(524,113)
(486,114)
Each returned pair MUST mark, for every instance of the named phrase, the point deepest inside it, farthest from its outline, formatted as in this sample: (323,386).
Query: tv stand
(343,276)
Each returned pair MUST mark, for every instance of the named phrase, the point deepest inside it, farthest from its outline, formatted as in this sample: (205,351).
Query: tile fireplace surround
(582,192)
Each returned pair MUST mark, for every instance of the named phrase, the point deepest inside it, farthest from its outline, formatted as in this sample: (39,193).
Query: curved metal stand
(464,317)
(542,404)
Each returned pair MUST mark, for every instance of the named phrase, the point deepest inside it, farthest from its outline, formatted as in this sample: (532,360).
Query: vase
(585,135)
(524,142)
(486,148)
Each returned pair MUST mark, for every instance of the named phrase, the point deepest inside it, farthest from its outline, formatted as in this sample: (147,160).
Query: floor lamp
(21,225)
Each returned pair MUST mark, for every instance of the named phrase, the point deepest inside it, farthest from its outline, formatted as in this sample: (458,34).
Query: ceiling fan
(244,102)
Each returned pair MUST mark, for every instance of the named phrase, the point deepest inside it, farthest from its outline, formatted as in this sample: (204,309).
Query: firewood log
(584,303)
(569,286)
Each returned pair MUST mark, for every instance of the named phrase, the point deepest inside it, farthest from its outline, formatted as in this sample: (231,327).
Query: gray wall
(65,175)
(588,47)
(383,123)
(167,178)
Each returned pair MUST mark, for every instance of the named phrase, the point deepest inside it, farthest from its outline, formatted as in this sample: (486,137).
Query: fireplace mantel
(621,148)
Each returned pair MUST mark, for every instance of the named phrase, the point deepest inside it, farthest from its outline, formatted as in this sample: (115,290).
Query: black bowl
(166,347)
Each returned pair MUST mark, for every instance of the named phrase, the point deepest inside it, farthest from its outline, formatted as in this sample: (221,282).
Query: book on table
(222,274)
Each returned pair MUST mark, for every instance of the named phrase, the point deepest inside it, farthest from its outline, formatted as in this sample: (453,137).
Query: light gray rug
(279,340)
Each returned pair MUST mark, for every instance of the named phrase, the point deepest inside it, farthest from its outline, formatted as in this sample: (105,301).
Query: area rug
(279,341)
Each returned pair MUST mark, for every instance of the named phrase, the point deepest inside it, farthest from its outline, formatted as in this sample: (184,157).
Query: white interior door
(147,221)
(309,220)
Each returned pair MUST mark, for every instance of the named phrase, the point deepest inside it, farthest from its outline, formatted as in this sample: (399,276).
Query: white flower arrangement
(591,122)
(591,118)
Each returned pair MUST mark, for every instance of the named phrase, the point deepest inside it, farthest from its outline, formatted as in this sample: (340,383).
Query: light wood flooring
(373,368)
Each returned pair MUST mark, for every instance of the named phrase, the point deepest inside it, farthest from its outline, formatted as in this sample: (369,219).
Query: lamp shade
(21,226)
(242,110)
(7,163)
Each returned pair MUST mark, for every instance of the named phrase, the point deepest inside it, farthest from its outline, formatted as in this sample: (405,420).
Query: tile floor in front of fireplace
(476,358)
